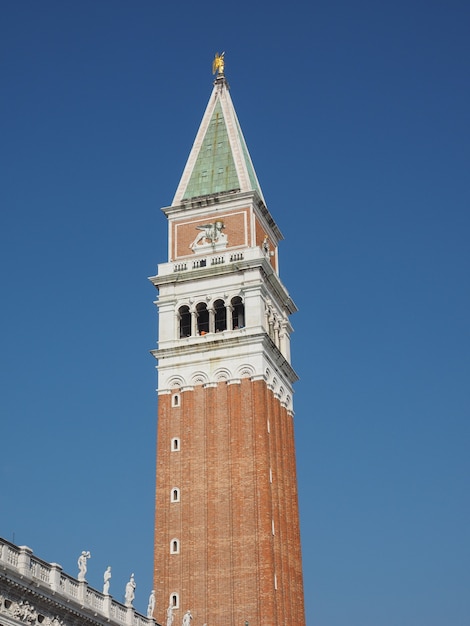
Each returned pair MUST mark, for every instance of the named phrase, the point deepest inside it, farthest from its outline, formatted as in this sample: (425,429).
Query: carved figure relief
(25,612)
(211,237)
(54,621)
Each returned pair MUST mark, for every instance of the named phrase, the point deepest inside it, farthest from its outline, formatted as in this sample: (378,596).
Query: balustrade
(20,562)
(40,570)
(219,259)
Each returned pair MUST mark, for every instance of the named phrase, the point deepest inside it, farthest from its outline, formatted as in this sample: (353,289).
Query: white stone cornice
(250,355)
(222,201)
(247,260)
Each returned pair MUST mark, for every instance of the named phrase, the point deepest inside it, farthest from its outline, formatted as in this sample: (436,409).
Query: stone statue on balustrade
(82,564)
(169,616)
(151,604)
(187,619)
(106,580)
(130,591)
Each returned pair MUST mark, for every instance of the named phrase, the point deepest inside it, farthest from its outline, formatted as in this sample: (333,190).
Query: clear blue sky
(356,115)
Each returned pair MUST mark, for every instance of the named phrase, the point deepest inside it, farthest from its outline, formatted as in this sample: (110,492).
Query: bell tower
(227,540)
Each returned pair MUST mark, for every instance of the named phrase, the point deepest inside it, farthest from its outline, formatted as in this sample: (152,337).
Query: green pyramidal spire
(219,160)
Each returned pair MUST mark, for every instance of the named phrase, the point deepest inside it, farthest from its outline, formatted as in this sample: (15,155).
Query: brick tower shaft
(227,539)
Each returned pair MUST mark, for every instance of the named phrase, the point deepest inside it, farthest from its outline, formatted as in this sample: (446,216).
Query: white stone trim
(223,374)
(246,352)
(193,254)
(246,371)
(191,162)
(199,378)
(175,382)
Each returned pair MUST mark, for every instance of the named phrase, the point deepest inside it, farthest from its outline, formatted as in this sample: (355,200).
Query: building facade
(33,591)
(227,539)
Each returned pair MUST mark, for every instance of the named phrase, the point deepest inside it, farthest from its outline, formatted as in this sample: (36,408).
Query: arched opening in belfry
(185,321)
(238,313)
(202,318)
(220,316)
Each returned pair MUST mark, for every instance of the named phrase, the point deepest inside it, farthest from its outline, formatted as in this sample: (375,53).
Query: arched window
(174,601)
(174,546)
(202,318)
(175,494)
(175,399)
(220,316)
(175,444)
(185,321)
(238,313)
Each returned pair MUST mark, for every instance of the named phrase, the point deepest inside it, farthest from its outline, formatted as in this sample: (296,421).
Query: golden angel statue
(218,64)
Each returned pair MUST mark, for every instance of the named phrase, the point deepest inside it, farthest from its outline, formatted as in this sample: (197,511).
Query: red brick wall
(237,228)
(225,570)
